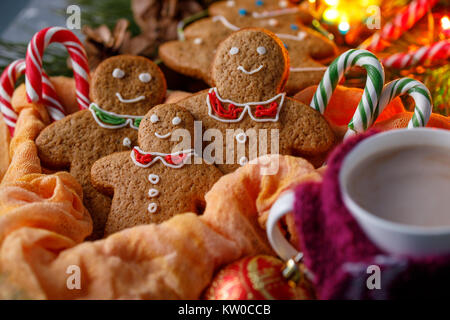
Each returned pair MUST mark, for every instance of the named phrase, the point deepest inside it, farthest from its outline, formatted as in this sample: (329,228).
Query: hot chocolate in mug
(396,185)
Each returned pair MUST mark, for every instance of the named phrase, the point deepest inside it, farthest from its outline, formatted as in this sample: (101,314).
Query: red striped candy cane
(40,41)
(403,21)
(7,85)
(437,51)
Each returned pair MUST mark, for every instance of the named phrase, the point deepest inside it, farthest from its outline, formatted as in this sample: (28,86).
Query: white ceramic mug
(392,237)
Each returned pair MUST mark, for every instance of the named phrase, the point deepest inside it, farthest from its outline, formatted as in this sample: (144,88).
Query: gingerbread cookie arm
(203,182)
(105,171)
(305,130)
(55,143)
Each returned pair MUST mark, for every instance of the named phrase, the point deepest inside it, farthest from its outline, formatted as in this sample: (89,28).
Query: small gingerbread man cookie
(158,179)
(306,48)
(250,70)
(123,89)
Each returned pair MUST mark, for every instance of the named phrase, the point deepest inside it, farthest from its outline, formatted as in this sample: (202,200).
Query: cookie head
(166,128)
(128,85)
(250,65)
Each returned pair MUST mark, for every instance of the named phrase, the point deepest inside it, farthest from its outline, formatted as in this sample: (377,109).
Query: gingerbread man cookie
(193,56)
(158,179)
(123,89)
(250,70)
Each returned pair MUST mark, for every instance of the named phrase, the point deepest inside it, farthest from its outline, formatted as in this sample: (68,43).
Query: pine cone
(158,19)
(101,43)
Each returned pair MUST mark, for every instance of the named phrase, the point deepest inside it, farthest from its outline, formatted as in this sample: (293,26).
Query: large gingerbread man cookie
(250,70)
(193,56)
(158,179)
(123,89)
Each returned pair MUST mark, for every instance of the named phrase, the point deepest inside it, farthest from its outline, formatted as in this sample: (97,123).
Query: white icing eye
(234,50)
(145,77)
(176,121)
(261,50)
(154,118)
(118,73)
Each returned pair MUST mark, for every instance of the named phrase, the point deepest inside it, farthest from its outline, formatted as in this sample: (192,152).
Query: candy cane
(436,51)
(367,107)
(7,85)
(401,22)
(417,90)
(35,51)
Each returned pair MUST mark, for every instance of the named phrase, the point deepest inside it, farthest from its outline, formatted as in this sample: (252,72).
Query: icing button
(294,27)
(152,207)
(243,161)
(230,3)
(153,178)
(259,3)
(273,22)
(198,41)
(126,142)
(241,137)
(153,193)
(242,12)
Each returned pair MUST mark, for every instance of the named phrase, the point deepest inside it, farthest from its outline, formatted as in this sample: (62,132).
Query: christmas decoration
(257,278)
(438,81)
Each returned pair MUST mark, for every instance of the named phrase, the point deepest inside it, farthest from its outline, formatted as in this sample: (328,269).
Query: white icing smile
(133,100)
(241,68)
(162,136)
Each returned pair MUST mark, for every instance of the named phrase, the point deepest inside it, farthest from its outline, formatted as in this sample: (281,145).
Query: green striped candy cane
(367,107)
(417,90)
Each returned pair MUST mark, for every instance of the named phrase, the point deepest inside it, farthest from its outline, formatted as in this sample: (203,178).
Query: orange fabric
(344,102)
(4,147)
(401,121)
(43,224)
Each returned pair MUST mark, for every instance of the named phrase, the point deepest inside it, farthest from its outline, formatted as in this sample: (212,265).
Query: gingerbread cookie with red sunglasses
(307,49)
(158,179)
(123,89)
(250,70)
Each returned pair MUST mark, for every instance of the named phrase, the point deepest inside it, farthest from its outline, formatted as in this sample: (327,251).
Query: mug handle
(282,247)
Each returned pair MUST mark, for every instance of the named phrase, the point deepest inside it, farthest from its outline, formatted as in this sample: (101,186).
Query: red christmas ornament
(257,278)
